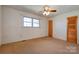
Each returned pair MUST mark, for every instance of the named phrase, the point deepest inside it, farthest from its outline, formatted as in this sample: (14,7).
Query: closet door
(50,28)
(72,30)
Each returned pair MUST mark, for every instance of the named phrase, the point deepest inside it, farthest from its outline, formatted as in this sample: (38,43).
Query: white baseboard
(23,40)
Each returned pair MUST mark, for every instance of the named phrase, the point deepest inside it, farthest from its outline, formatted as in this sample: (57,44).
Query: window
(35,23)
(29,22)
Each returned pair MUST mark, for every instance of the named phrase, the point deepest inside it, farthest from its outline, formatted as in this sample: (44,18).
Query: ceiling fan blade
(52,10)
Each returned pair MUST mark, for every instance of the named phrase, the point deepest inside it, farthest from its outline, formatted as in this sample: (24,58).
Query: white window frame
(31,23)
(27,22)
(36,23)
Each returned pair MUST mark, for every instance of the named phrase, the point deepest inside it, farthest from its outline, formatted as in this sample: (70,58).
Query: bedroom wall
(60,25)
(0,25)
(13,29)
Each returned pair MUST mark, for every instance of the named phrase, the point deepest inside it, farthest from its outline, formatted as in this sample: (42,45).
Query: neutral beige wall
(0,26)
(60,25)
(13,29)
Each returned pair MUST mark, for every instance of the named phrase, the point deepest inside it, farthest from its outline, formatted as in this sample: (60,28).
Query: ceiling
(38,8)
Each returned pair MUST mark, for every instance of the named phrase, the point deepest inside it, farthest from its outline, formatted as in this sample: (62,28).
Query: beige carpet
(38,46)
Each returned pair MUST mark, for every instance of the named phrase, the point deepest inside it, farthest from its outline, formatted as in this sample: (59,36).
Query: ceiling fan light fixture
(47,10)
(46,13)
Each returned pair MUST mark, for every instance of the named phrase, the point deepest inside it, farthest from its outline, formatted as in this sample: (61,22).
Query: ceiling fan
(47,10)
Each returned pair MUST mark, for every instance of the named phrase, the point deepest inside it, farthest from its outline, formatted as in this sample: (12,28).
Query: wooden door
(72,30)
(50,28)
